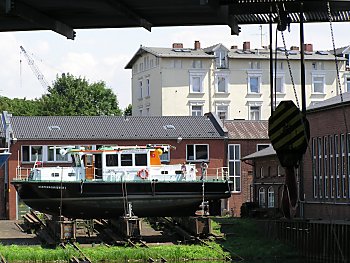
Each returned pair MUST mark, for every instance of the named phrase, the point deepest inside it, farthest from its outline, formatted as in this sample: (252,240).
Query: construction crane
(35,69)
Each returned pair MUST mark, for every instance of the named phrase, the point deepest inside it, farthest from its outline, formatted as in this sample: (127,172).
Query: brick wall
(328,122)
(237,199)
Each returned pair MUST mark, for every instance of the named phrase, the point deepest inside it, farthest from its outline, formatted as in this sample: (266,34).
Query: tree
(128,110)
(71,96)
(20,107)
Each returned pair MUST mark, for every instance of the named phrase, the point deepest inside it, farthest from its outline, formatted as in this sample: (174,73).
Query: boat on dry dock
(107,182)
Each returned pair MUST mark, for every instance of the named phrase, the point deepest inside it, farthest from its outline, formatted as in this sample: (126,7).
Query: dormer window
(221,59)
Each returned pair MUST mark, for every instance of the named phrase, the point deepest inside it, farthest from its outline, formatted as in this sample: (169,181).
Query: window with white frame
(279,87)
(147,87)
(254,112)
(54,154)
(221,83)
(270,197)
(165,157)
(222,111)
(262,172)
(221,58)
(140,89)
(197,152)
(254,82)
(196,81)
(32,153)
(196,107)
(318,84)
(197,63)
(140,112)
(347,83)
(262,201)
(196,110)
(234,162)
(147,111)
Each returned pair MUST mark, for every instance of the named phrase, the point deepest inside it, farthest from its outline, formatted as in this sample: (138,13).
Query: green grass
(35,253)
(99,253)
(244,238)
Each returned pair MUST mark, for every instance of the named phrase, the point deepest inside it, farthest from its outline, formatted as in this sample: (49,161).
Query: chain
(335,57)
(288,61)
(336,63)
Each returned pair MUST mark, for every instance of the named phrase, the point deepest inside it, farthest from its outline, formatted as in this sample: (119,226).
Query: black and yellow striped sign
(289,132)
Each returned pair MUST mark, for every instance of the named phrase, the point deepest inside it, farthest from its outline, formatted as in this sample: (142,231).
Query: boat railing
(220,173)
(22,173)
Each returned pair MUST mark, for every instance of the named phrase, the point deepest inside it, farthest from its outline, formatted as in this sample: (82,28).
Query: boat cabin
(111,164)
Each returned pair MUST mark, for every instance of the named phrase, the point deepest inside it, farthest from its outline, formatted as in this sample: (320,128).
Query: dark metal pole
(271,63)
(302,60)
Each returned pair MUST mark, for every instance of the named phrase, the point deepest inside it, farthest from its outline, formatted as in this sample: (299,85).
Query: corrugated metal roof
(245,130)
(331,102)
(259,154)
(113,127)
(65,15)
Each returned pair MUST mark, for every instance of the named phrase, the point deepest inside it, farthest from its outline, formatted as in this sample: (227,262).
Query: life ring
(143,173)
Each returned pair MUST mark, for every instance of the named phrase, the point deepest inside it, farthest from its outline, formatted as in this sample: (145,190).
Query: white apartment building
(234,83)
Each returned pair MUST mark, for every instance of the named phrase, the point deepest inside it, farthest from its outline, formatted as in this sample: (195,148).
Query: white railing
(22,173)
(219,173)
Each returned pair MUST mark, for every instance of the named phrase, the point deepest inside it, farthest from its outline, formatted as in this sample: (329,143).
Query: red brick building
(268,181)
(244,138)
(326,169)
(39,138)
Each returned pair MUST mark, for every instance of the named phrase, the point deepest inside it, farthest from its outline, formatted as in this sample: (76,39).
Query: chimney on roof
(197,45)
(178,45)
(308,48)
(234,47)
(246,45)
(294,48)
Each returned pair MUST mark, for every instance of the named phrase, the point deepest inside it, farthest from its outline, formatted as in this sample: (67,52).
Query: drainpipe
(8,133)
(209,89)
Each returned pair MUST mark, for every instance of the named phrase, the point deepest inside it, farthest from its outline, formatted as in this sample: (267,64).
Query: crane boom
(35,69)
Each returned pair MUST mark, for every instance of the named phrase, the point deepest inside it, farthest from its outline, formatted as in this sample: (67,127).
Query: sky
(102,54)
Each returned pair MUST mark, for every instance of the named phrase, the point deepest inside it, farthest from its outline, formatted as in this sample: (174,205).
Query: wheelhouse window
(140,159)
(126,159)
(32,153)
(197,152)
(165,157)
(111,160)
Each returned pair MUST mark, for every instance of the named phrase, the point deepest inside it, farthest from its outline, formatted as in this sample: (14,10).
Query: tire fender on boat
(143,173)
